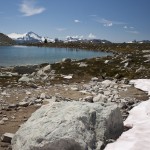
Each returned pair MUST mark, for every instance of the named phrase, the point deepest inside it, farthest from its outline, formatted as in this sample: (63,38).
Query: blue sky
(114,20)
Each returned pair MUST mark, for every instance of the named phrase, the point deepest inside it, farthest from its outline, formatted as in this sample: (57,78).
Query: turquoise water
(23,55)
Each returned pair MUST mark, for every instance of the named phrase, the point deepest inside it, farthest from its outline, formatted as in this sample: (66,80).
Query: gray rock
(140,69)
(25,79)
(47,68)
(28,92)
(146,51)
(12,106)
(74,88)
(7,137)
(126,64)
(66,60)
(68,77)
(42,96)
(61,144)
(69,126)
(38,101)
(5,119)
(106,61)
(2,122)
(107,93)
(94,79)
(99,145)
(14,74)
(82,64)
(100,98)
(125,61)
(41,73)
(147,56)
(108,83)
(23,104)
(88,99)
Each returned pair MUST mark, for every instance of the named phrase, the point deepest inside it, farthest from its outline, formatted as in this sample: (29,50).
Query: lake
(23,55)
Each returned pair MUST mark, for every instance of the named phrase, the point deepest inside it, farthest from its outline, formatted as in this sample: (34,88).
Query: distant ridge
(5,40)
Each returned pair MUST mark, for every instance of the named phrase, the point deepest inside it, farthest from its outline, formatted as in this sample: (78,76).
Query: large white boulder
(69,126)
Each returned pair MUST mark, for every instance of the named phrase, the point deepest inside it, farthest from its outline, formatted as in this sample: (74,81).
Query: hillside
(5,40)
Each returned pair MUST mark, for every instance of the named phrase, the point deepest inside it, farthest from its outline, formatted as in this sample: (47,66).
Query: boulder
(69,126)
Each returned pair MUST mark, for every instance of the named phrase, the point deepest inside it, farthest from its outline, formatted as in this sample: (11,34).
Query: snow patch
(142,84)
(137,138)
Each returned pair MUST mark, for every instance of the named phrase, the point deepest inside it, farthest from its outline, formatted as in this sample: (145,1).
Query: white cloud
(93,15)
(76,36)
(77,21)
(29,8)
(60,29)
(91,36)
(131,27)
(109,23)
(133,32)
(125,27)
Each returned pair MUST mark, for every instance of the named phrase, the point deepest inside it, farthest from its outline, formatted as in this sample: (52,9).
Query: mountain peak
(29,37)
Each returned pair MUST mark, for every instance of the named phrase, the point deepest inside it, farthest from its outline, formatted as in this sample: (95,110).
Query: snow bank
(137,138)
(142,84)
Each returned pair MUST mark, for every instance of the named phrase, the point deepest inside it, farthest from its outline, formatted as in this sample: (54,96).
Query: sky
(113,20)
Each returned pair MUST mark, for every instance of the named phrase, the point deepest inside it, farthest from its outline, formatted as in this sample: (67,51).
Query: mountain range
(29,37)
(32,37)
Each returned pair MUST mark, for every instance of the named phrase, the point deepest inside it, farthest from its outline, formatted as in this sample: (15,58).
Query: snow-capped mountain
(29,37)
(78,39)
(143,41)
(72,39)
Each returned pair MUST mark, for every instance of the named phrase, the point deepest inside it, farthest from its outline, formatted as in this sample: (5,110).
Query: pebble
(2,122)
(5,119)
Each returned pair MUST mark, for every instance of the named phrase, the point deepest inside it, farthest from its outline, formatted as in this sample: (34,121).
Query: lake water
(23,55)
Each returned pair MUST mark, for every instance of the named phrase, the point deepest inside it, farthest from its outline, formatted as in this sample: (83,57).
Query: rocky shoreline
(103,81)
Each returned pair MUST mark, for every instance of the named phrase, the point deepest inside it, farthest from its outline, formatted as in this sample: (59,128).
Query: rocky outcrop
(69,125)
(5,40)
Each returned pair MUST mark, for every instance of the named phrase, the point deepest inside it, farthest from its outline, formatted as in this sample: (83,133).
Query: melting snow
(137,138)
